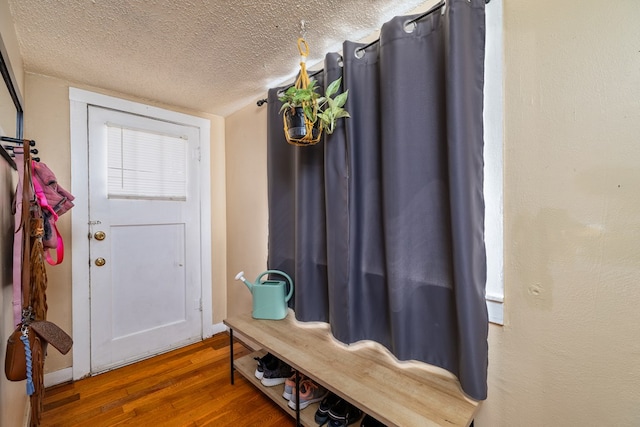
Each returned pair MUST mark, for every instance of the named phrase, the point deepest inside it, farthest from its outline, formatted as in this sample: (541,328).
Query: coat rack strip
(6,151)
(8,158)
(32,143)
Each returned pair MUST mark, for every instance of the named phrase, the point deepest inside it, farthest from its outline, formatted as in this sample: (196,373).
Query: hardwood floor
(186,387)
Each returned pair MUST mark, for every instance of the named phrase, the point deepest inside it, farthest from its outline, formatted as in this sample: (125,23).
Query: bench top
(404,394)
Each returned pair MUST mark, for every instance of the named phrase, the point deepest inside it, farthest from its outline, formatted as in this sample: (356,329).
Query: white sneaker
(276,376)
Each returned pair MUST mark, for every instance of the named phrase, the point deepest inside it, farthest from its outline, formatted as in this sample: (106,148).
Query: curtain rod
(263,101)
(413,21)
(439,6)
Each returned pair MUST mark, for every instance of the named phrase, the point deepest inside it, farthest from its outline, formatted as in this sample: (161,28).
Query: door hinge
(198,304)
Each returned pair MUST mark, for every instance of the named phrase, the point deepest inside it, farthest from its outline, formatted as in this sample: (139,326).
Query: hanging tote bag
(54,201)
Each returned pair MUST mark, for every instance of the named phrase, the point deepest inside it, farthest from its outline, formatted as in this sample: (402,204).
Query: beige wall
(569,352)
(247,217)
(13,399)
(12,394)
(47,122)
(10,42)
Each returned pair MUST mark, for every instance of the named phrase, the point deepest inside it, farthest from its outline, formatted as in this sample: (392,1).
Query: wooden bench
(403,394)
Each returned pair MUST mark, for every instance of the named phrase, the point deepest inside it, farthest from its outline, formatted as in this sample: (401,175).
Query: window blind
(146,165)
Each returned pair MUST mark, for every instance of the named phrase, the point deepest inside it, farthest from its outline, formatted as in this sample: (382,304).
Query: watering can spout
(240,276)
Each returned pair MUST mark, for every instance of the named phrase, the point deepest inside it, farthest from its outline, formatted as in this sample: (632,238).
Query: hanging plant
(331,109)
(306,112)
(300,107)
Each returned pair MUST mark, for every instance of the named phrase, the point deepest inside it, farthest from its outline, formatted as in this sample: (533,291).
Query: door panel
(165,269)
(145,299)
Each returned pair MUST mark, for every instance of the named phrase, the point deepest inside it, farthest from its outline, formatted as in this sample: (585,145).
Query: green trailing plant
(326,109)
(306,98)
(332,109)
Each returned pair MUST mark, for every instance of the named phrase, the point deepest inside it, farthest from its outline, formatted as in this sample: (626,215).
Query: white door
(144,221)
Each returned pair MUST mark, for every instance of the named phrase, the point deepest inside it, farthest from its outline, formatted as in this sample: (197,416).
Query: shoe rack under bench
(396,393)
(246,365)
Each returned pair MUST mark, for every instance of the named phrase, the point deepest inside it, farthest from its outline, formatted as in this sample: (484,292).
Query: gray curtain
(381,225)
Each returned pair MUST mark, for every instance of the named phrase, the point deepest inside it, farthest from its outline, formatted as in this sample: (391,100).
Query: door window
(146,165)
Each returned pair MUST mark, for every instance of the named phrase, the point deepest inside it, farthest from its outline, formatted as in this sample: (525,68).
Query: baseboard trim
(58,377)
(27,414)
(216,328)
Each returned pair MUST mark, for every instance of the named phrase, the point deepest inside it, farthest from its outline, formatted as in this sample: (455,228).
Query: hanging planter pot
(299,129)
(306,113)
(294,118)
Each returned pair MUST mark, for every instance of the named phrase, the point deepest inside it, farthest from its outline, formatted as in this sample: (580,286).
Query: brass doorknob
(100,262)
(100,235)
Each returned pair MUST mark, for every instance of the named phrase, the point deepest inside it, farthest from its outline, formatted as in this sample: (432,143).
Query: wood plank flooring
(186,387)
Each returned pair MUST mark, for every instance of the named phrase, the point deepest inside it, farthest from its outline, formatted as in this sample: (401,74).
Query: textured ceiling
(205,55)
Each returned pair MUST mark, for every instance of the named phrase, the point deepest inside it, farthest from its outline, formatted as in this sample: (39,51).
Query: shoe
(279,375)
(268,360)
(369,421)
(322,413)
(310,392)
(290,385)
(343,414)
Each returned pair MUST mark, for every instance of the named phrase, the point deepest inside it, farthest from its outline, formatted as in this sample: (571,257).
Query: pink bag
(54,201)
(57,197)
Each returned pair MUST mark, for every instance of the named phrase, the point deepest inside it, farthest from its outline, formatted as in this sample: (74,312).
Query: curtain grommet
(410,26)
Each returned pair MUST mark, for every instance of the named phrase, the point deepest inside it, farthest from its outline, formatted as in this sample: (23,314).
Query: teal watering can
(270,297)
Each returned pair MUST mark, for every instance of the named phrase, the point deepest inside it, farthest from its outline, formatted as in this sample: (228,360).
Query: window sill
(495,309)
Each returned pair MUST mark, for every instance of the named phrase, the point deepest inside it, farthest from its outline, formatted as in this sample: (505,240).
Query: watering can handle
(283,274)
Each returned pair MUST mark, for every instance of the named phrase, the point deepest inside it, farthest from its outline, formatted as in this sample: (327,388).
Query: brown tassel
(38,277)
(38,354)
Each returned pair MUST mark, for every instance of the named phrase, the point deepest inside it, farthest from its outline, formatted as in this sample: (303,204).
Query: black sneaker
(343,414)
(276,376)
(268,361)
(322,414)
(369,421)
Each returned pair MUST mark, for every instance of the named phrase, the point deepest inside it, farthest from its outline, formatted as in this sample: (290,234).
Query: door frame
(79,101)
